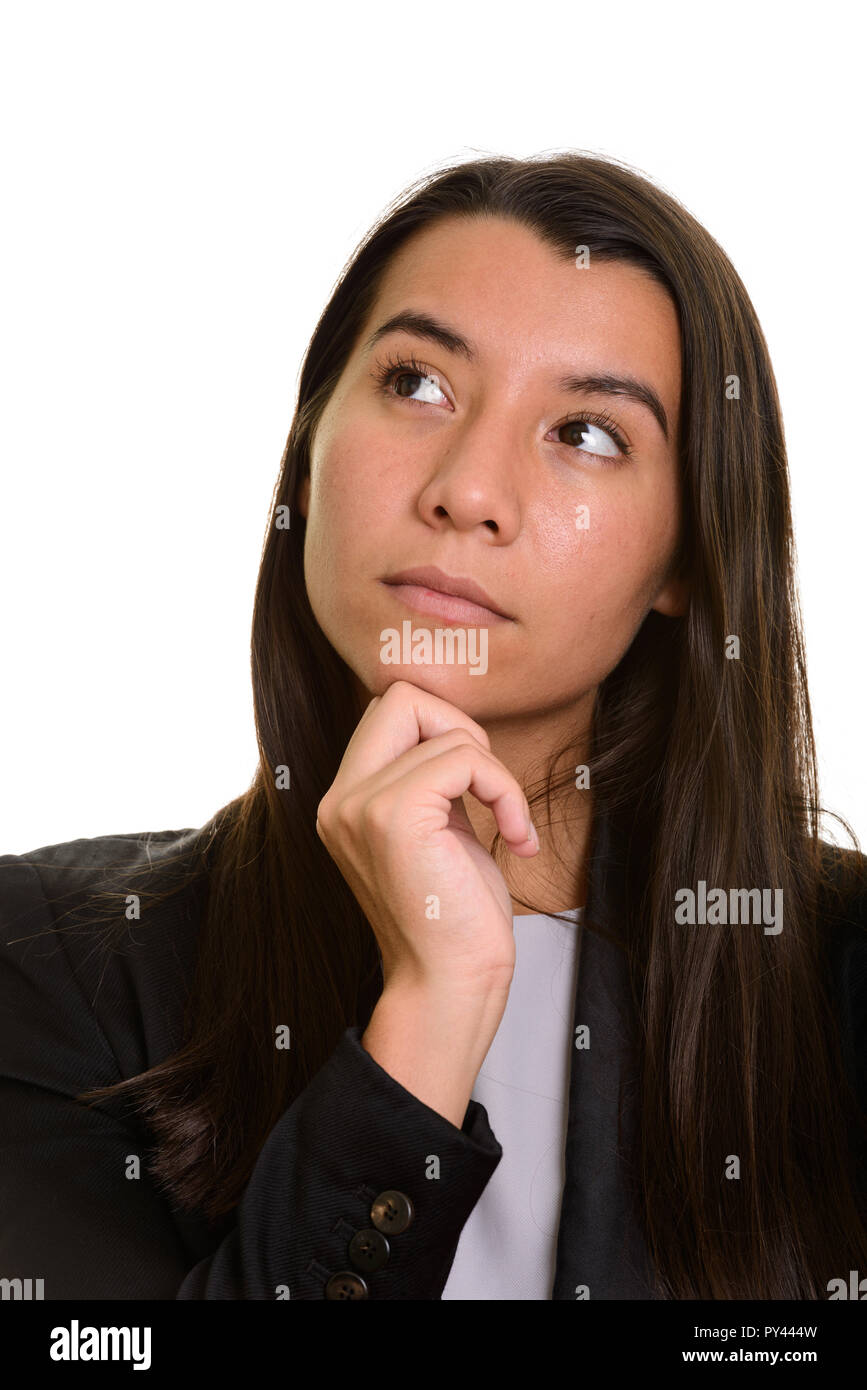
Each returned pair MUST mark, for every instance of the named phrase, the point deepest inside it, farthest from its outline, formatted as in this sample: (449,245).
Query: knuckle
(470,738)
(376,815)
(345,814)
(453,738)
(468,748)
(461,738)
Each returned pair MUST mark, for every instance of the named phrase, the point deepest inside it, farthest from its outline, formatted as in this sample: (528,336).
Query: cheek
(354,494)
(340,499)
(606,570)
(356,480)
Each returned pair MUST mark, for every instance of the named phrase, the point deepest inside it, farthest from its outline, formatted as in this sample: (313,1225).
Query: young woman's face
(474,468)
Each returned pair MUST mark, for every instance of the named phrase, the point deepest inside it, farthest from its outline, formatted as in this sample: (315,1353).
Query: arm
(72,1214)
(353,1134)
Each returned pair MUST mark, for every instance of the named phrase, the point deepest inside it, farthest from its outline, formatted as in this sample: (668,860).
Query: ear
(673,598)
(303,496)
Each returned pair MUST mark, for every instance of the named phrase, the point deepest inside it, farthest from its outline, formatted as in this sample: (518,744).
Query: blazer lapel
(601,1252)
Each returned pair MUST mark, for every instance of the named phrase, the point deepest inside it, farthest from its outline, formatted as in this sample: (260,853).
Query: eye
(595,434)
(426,388)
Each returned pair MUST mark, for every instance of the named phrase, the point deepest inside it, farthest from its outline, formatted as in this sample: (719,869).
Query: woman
(369,1033)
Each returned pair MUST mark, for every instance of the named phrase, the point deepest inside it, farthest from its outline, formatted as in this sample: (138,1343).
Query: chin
(455,685)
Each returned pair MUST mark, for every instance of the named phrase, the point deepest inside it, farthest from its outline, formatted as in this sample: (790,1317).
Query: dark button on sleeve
(392,1212)
(368,1250)
(345,1284)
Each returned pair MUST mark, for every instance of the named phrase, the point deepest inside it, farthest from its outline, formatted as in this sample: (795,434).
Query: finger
(421,753)
(431,748)
(433,785)
(404,716)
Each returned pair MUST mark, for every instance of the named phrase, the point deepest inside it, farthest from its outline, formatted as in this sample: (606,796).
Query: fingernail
(533,835)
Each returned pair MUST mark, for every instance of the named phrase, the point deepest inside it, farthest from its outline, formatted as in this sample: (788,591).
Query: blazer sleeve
(360,1190)
(360,1186)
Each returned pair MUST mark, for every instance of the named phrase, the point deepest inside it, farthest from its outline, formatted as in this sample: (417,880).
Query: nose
(475,483)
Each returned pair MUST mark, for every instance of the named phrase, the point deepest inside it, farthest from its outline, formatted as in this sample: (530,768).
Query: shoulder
(97,946)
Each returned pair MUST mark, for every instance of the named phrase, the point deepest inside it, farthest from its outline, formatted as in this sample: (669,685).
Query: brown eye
(584,434)
(420,378)
(401,381)
(428,385)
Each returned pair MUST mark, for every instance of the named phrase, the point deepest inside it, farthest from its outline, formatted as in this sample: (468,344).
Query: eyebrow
(599,383)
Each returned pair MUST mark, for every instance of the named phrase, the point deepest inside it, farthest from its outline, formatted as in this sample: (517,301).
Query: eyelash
(386,371)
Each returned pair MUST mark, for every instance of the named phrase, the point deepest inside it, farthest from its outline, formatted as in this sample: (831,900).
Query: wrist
(432,1043)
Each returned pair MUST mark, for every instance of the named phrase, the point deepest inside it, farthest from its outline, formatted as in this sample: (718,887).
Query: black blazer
(348,1156)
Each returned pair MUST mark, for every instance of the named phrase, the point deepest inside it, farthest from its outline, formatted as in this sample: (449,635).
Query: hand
(394,823)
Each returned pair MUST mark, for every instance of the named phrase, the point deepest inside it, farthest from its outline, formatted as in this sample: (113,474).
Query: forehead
(524,305)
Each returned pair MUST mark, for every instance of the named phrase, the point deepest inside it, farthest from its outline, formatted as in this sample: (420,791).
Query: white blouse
(508,1247)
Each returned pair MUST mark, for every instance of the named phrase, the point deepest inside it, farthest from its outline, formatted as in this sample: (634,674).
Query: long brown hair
(705,765)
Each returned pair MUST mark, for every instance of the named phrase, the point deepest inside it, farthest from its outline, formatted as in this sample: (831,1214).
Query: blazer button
(392,1211)
(345,1284)
(368,1250)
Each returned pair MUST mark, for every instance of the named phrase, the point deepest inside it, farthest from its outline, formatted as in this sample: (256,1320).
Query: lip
(429,589)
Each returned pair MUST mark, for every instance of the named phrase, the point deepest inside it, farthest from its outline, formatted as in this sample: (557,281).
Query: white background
(182,184)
